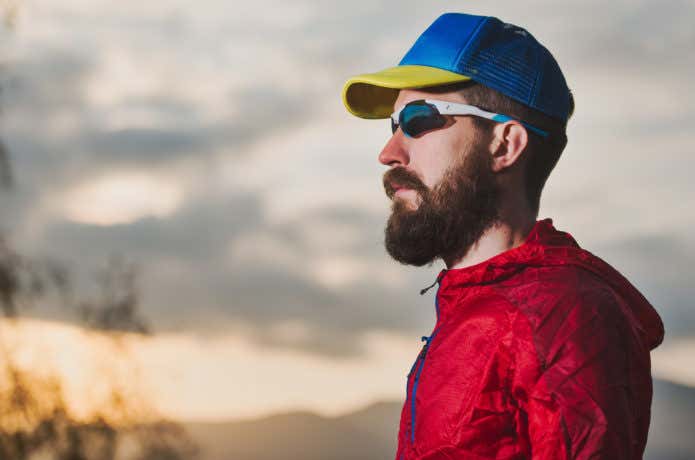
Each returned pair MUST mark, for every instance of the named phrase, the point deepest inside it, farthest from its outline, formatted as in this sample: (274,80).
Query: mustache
(402,178)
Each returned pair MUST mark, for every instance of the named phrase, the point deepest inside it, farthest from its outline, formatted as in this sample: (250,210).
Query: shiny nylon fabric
(540,352)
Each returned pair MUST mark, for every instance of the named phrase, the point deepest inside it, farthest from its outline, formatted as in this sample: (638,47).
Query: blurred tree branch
(6,181)
(117,307)
(35,421)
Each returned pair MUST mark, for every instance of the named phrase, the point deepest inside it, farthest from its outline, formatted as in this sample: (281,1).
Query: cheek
(435,162)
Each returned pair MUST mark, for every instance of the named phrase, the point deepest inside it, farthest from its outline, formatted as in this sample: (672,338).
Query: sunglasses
(424,115)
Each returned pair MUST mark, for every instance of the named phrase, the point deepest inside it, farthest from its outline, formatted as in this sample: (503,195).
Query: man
(540,349)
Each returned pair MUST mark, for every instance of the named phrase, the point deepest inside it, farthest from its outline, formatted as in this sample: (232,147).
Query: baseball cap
(460,47)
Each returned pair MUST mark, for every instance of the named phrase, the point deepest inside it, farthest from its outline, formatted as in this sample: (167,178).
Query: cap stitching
(534,95)
(455,63)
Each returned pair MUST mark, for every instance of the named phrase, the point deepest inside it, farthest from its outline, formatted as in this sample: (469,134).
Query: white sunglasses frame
(455,108)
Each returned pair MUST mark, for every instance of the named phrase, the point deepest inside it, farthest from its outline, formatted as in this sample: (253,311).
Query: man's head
(451,177)
(443,188)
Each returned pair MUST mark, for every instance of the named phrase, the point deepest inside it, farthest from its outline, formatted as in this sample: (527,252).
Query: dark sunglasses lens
(394,126)
(416,119)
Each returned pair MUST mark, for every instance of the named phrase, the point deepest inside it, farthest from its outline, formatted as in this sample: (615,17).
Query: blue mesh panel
(502,56)
(440,45)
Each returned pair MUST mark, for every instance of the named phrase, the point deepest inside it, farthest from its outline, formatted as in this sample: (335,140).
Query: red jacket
(540,352)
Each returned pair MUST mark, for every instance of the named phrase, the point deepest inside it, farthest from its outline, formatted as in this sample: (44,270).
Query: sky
(208,144)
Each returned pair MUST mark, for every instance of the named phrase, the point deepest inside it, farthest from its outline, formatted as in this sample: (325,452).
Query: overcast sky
(208,143)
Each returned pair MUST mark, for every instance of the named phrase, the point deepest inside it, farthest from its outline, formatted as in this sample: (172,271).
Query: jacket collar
(547,246)
(511,261)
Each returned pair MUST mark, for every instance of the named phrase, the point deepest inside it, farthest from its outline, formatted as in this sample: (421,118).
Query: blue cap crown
(501,56)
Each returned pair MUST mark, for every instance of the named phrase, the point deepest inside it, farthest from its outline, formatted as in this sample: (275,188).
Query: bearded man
(540,348)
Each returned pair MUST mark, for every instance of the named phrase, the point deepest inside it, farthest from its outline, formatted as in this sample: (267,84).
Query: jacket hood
(547,246)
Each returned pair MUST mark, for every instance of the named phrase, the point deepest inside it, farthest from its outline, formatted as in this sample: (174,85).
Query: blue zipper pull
(423,350)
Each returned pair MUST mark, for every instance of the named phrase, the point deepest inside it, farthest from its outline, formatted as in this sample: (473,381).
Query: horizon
(208,146)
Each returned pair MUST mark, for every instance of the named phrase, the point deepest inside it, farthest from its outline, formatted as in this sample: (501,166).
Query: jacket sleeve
(575,394)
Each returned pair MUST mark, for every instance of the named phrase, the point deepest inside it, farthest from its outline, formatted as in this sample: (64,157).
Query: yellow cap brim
(372,95)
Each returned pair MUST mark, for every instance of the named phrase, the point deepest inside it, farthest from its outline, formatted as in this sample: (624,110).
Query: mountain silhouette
(370,433)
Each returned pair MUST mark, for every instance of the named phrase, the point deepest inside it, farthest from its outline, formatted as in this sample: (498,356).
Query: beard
(449,218)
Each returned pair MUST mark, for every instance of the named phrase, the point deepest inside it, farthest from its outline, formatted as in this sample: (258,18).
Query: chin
(407,203)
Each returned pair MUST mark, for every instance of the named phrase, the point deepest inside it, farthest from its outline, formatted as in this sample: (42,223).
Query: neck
(505,234)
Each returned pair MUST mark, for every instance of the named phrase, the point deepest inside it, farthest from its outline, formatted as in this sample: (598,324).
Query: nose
(394,152)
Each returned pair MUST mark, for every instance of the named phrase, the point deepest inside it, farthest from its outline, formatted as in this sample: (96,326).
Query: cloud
(673,361)
(194,378)
(643,32)
(203,272)
(668,287)
(278,230)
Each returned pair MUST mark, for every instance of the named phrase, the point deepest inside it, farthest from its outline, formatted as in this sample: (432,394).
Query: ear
(509,142)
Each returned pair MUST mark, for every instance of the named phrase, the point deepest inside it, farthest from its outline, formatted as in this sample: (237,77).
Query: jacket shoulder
(545,288)
(562,305)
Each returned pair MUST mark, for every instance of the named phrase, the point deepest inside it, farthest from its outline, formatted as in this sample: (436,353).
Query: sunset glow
(121,199)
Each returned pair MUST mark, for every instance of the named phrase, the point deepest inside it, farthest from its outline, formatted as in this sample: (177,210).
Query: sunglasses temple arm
(502,118)
(447,108)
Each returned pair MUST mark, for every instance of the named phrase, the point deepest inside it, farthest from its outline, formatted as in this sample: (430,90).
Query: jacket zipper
(421,358)
(416,380)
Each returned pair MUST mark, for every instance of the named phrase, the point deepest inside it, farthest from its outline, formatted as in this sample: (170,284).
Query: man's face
(444,192)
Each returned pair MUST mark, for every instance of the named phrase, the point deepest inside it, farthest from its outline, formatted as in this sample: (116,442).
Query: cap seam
(534,96)
(457,59)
